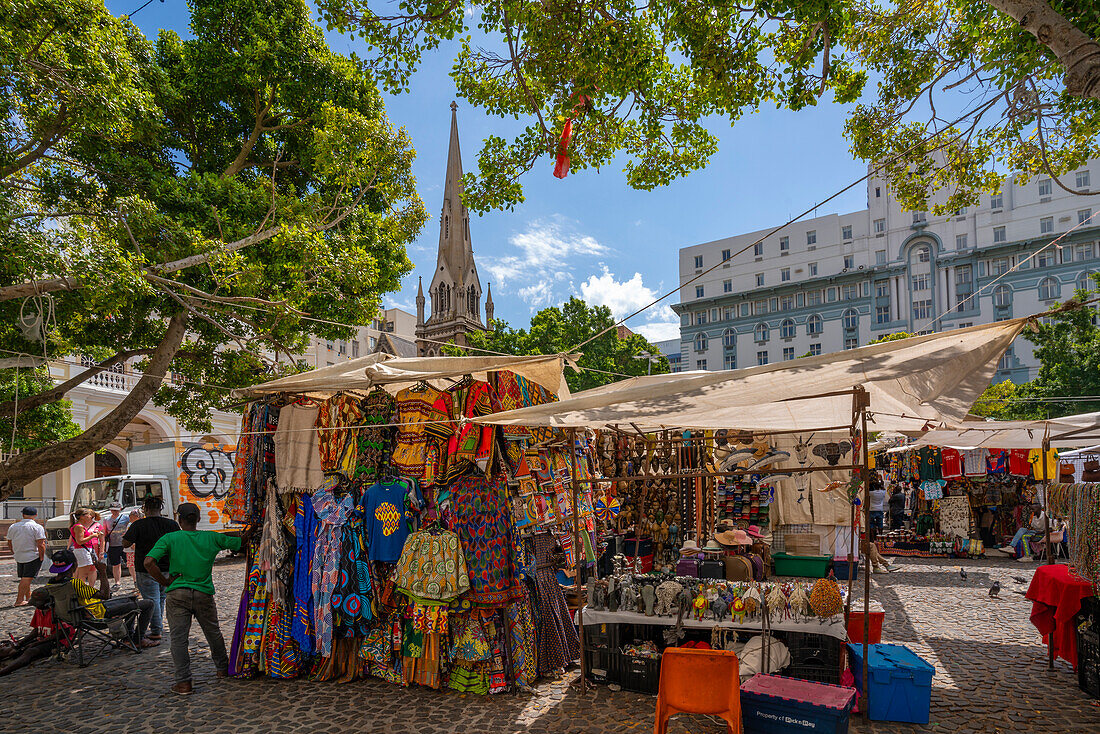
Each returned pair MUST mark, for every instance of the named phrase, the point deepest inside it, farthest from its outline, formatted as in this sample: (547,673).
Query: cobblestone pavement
(991,677)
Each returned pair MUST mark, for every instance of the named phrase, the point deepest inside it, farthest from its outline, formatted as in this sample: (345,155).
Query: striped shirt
(87,596)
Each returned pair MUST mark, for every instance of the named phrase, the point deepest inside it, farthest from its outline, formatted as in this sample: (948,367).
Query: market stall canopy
(913,383)
(396,373)
(1071,431)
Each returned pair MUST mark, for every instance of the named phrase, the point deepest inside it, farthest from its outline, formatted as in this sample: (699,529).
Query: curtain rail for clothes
(715,475)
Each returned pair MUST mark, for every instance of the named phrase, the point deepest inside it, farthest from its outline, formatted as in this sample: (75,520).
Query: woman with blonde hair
(84,536)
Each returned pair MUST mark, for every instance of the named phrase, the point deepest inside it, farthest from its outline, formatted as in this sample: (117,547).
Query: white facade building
(841,280)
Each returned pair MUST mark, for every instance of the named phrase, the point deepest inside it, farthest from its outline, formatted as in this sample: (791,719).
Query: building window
(1084,282)
(851,342)
(760,307)
(851,319)
(1002,296)
(880,226)
(919,217)
(811,237)
(1084,215)
(882,314)
(1007,360)
(700,364)
(786,303)
(701,342)
(762,358)
(1049,289)
(759,280)
(785,274)
(846,232)
(962,275)
(997,201)
(729,338)
(1083,252)
(882,288)
(1083,179)
(745,308)
(726,255)
(813,270)
(924,255)
(758,249)
(878,191)
(786,329)
(1046,225)
(960,212)
(922,309)
(922,282)
(1046,258)
(715,314)
(729,362)
(343,347)
(788,354)
(760,333)
(849,262)
(373,342)
(960,242)
(330,344)
(814,325)
(728,313)
(880,257)
(1045,187)
(813,298)
(698,261)
(998,266)
(848,292)
(830,294)
(698,291)
(784,244)
(355,348)
(999,234)
(815,350)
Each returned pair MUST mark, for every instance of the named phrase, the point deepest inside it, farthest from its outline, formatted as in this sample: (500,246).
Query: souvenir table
(833,626)
(1056,593)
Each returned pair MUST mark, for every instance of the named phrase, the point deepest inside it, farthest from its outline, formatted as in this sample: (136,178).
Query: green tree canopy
(194,203)
(557,330)
(641,78)
(38,426)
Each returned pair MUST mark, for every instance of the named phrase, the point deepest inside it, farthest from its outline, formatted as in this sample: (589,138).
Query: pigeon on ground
(962,573)
(995,589)
(1019,580)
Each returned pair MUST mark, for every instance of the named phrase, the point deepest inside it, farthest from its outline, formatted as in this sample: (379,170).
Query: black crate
(1088,660)
(602,636)
(638,674)
(813,657)
(598,663)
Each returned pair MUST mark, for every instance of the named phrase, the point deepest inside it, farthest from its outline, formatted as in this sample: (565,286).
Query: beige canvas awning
(1072,431)
(914,383)
(396,373)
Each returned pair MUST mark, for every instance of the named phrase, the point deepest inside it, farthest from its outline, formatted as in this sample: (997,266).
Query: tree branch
(58,391)
(250,143)
(20,469)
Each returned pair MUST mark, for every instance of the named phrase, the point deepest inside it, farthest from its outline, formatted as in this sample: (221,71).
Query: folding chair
(699,682)
(113,632)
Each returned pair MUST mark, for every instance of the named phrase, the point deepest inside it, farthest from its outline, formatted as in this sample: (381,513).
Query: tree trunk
(1079,54)
(23,468)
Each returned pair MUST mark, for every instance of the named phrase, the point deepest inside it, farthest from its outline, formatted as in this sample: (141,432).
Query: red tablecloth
(1056,595)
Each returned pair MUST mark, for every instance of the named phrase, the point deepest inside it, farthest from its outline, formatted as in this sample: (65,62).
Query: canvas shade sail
(913,384)
(396,373)
(1072,431)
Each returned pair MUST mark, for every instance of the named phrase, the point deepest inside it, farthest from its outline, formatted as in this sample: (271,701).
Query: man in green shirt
(191,555)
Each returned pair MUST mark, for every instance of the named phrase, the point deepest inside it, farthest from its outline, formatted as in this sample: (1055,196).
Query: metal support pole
(1046,521)
(577,549)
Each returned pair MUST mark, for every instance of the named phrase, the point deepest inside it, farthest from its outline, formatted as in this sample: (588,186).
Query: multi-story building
(670,348)
(841,280)
(391,332)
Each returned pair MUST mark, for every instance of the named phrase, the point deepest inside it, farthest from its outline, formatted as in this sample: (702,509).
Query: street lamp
(652,358)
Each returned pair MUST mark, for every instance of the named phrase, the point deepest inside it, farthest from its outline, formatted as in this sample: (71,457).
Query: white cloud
(624,297)
(542,260)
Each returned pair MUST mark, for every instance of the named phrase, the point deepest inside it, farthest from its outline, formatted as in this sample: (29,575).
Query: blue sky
(590,234)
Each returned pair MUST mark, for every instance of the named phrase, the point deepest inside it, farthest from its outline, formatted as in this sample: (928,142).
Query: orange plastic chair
(699,682)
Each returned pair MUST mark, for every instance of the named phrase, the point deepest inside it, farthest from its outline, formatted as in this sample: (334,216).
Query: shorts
(28,570)
(83,557)
(116,555)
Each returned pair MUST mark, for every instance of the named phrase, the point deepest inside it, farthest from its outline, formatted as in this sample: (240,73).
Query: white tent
(1072,431)
(360,376)
(913,384)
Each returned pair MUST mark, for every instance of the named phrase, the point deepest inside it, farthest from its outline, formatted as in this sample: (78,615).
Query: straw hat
(753,531)
(713,547)
(689,547)
(734,537)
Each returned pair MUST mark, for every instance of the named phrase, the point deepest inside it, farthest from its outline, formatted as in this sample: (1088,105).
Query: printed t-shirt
(1033,458)
(1018,465)
(385,521)
(144,533)
(974,462)
(996,462)
(952,463)
(929,463)
(191,554)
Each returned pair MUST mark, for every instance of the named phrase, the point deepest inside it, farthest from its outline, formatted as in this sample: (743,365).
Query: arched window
(1049,289)
(761,332)
(851,319)
(1002,296)
(701,342)
(471,301)
(729,338)
(1085,282)
(786,329)
(923,254)
(446,226)
(814,324)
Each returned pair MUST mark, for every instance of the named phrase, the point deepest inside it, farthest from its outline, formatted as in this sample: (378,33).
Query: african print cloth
(514,391)
(522,642)
(375,442)
(481,516)
(351,599)
(432,567)
(257,608)
(558,643)
(305,542)
(331,515)
(337,442)
(469,445)
(281,656)
(254,463)
(418,408)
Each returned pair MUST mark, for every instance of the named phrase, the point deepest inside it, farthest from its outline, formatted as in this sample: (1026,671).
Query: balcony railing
(121,382)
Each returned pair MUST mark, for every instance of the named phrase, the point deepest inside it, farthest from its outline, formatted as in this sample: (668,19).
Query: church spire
(419,300)
(489,305)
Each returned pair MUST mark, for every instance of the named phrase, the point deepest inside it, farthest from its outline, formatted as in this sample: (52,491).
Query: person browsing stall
(27,542)
(142,535)
(190,583)
(115,527)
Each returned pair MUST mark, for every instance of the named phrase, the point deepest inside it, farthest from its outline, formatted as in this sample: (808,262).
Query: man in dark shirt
(143,535)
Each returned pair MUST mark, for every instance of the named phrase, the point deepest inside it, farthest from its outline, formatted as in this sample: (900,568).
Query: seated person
(1034,530)
(99,604)
(39,644)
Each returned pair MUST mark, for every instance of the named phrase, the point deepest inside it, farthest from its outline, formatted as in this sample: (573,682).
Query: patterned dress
(558,642)
(417,409)
(331,516)
(482,519)
(305,542)
(351,600)
(375,444)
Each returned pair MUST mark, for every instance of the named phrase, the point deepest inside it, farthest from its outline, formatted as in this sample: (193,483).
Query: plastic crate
(638,674)
(806,566)
(813,657)
(840,569)
(598,663)
(1088,659)
(900,682)
(855,623)
(775,704)
(602,636)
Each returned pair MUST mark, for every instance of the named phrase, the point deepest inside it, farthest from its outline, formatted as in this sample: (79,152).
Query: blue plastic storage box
(900,682)
(772,704)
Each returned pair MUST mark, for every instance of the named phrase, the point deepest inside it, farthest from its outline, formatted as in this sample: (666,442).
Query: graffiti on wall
(206,473)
